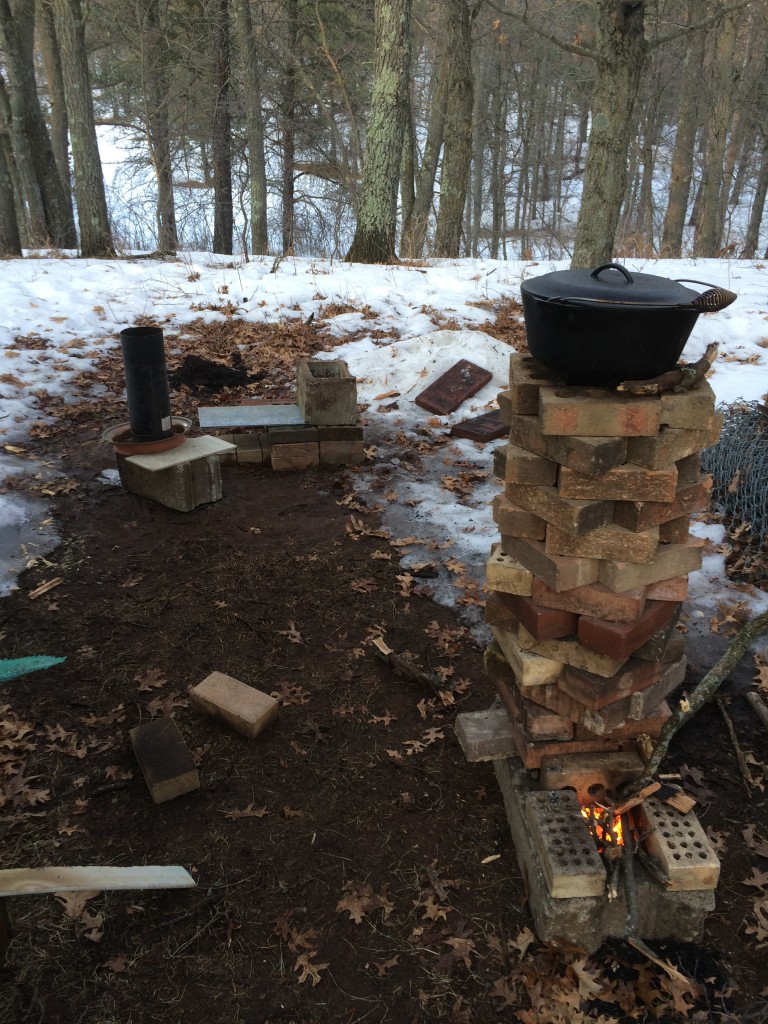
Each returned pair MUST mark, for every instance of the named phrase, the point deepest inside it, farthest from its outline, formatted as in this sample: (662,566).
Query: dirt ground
(350,864)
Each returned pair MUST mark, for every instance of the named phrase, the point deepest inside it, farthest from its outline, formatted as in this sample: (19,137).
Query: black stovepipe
(146,383)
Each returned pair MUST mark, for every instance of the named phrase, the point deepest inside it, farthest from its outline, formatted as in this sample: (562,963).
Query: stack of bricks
(588,579)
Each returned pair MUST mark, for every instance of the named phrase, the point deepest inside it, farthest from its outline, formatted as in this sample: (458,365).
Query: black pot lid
(611,283)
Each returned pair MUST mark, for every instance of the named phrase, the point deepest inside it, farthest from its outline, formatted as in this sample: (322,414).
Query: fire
(607,834)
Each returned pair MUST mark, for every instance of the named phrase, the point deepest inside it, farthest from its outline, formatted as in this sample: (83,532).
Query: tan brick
(588,455)
(292,457)
(530,669)
(610,770)
(569,651)
(504,402)
(672,560)
(249,449)
(642,515)
(515,465)
(593,599)
(342,453)
(574,516)
(164,759)
(558,572)
(665,646)
(691,410)
(562,845)
(671,444)
(595,412)
(597,692)
(243,708)
(688,470)
(668,590)
(621,639)
(526,378)
(507,575)
(675,531)
(228,458)
(610,541)
(515,521)
(486,735)
(625,483)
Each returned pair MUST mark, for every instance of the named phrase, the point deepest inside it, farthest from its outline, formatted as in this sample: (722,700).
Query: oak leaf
(361,900)
(307,970)
(383,967)
(152,679)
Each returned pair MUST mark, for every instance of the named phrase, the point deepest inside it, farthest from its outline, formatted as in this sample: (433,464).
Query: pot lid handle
(613,266)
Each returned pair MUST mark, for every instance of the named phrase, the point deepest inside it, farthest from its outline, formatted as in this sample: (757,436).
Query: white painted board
(193,448)
(29,881)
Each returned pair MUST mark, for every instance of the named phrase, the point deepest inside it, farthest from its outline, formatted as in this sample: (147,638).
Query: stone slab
(192,448)
(164,759)
(243,708)
(223,417)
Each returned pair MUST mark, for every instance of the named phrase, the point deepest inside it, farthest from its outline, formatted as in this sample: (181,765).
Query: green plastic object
(12,668)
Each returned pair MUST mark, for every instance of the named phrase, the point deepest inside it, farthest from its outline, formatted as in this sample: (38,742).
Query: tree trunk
(92,216)
(457,144)
(621,50)
(254,125)
(374,240)
(758,205)
(708,226)
(221,142)
(22,221)
(479,144)
(288,117)
(155,80)
(407,173)
(56,97)
(685,140)
(10,239)
(44,190)
(415,232)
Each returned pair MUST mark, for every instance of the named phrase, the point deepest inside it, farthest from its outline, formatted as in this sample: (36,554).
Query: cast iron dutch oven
(600,327)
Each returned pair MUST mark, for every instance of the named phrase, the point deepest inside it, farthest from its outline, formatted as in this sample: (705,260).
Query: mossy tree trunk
(374,240)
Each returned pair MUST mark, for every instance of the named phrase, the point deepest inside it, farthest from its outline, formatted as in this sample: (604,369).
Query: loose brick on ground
(243,708)
(164,759)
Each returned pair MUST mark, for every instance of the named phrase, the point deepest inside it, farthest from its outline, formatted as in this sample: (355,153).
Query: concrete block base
(586,921)
(182,487)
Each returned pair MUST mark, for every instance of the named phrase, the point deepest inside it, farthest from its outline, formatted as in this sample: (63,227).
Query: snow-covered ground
(79,306)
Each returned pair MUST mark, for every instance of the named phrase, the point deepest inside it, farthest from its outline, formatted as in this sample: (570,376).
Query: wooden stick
(668,969)
(630,890)
(743,766)
(634,800)
(410,672)
(682,378)
(759,706)
(703,692)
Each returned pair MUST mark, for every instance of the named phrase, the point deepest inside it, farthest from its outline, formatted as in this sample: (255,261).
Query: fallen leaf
(385,966)
(117,964)
(152,679)
(73,903)
(294,636)
(361,900)
(308,970)
(367,586)
(247,812)
(755,844)
(432,910)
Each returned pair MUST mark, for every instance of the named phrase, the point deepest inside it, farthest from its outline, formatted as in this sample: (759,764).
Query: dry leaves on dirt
(360,901)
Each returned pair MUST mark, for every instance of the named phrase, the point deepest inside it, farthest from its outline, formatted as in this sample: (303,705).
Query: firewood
(635,799)
(404,668)
(675,797)
(759,706)
(743,766)
(683,378)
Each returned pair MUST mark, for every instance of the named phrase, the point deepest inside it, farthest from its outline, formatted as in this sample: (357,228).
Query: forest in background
(282,126)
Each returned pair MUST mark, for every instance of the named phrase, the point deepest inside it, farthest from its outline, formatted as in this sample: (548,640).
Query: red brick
(625,483)
(515,521)
(559,573)
(669,590)
(568,651)
(642,515)
(588,455)
(593,599)
(672,560)
(508,610)
(675,531)
(671,444)
(610,541)
(595,412)
(542,723)
(597,692)
(620,639)
(515,465)
(573,516)
(651,726)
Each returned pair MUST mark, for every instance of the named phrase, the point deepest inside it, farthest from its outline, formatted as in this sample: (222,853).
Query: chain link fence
(739,467)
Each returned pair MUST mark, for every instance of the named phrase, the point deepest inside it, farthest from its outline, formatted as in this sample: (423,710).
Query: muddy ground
(350,864)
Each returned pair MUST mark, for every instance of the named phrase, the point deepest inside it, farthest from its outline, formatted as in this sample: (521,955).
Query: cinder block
(507,575)
(570,651)
(164,759)
(620,639)
(515,465)
(625,483)
(508,610)
(595,412)
(485,735)
(293,457)
(678,845)
(692,410)
(574,516)
(642,515)
(515,521)
(610,541)
(182,487)
(530,669)
(593,599)
(589,455)
(558,572)
(671,444)
(671,560)
(326,392)
(243,708)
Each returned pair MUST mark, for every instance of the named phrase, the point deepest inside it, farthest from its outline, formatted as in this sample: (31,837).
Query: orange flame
(596,818)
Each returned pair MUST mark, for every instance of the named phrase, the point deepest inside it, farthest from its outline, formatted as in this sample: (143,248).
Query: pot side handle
(711,301)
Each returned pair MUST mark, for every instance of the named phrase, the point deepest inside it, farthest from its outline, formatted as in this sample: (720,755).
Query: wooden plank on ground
(456,385)
(31,881)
